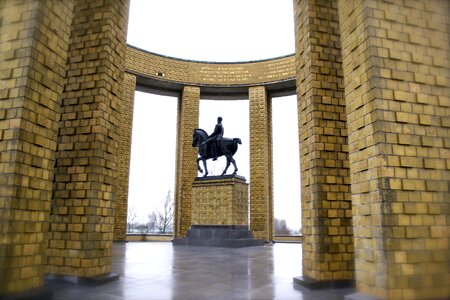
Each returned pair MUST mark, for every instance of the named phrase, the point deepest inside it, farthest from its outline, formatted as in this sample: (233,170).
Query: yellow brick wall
(261,198)
(220,202)
(186,168)
(326,207)
(82,219)
(397,87)
(33,55)
(124,154)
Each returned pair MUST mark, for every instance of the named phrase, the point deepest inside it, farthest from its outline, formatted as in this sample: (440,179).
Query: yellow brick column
(326,205)
(123,168)
(397,89)
(33,57)
(261,200)
(186,168)
(81,229)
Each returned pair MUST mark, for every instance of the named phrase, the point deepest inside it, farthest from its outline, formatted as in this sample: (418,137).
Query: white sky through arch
(211,30)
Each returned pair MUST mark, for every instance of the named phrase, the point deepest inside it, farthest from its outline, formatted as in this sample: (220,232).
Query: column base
(323,284)
(359,296)
(31,294)
(94,280)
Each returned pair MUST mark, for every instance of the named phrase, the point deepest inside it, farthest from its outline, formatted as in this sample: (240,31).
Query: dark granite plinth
(226,236)
(316,284)
(95,280)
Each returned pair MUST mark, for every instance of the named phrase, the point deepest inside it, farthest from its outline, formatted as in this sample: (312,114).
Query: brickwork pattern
(220,202)
(124,154)
(261,200)
(81,229)
(207,73)
(186,169)
(33,55)
(326,201)
(397,86)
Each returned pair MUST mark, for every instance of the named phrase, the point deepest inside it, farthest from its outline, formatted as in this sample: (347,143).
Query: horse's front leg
(235,167)
(198,165)
(206,169)
(226,168)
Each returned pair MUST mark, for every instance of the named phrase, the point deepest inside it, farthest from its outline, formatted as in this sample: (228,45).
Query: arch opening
(152,163)
(286,166)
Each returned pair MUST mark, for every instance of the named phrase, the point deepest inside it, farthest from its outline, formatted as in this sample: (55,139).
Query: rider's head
(219,119)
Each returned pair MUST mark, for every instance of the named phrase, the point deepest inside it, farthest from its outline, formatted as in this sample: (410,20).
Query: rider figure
(215,138)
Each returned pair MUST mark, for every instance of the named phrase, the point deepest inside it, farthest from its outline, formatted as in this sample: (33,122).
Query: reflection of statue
(215,145)
(215,138)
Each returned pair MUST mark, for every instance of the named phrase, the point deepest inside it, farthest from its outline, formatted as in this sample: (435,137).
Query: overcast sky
(211,30)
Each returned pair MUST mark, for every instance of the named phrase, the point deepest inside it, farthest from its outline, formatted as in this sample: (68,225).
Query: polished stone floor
(158,270)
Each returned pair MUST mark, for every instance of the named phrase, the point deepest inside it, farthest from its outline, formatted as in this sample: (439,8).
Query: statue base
(219,214)
(220,200)
(226,236)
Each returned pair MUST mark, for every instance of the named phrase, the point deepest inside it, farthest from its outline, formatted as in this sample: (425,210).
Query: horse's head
(198,137)
(195,138)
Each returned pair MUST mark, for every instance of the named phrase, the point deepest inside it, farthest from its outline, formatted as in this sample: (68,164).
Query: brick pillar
(326,205)
(33,55)
(186,169)
(81,229)
(126,124)
(261,199)
(397,87)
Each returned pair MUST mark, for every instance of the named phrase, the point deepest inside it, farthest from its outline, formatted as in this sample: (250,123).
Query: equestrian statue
(214,146)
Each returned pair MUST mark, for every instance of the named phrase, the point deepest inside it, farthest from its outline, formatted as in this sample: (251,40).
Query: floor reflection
(222,273)
(158,270)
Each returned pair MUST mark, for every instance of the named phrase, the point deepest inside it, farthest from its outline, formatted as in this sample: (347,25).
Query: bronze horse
(226,146)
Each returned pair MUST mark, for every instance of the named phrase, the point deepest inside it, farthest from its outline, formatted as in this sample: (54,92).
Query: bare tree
(131,219)
(163,218)
(151,222)
(281,227)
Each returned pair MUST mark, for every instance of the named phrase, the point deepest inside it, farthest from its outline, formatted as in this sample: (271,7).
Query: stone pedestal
(220,200)
(219,213)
